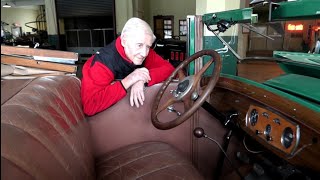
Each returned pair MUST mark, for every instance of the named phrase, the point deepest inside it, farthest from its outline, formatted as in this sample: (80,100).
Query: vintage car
(191,126)
(230,128)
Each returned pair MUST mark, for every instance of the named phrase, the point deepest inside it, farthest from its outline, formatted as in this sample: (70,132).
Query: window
(182,27)
(167,29)
(163,26)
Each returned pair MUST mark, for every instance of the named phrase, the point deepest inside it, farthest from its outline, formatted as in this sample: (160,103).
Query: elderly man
(126,63)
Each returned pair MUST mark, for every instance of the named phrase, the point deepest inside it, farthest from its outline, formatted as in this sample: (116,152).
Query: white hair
(134,25)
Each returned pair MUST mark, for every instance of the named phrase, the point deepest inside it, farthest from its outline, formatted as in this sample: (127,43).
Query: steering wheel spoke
(187,103)
(198,76)
(167,104)
(181,75)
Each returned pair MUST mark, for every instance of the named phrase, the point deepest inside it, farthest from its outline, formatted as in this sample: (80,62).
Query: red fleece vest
(110,57)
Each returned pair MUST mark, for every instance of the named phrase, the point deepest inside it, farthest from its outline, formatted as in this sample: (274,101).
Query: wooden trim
(38,64)
(9,50)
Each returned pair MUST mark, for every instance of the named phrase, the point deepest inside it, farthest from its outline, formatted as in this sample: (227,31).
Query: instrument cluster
(275,130)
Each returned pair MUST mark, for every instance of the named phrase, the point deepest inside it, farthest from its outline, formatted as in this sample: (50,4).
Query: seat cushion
(9,88)
(44,133)
(147,160)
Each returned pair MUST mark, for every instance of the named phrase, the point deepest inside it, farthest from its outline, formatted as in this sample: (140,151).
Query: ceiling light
(6,6)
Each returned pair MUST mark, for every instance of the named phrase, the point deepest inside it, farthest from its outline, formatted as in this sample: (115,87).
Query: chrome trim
(180,95)
(297,139)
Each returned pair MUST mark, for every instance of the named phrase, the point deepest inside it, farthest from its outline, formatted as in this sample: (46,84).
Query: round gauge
(253,117)
(287,137)
(267,131)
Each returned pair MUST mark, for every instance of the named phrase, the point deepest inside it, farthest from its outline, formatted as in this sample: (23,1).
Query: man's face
(137,46)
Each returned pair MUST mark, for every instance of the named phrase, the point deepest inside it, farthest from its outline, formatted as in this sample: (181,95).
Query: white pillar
(52,25)
(51,17)
(124,11)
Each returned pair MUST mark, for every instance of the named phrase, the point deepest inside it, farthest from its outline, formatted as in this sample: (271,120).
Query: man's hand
(140,74)
(137,94)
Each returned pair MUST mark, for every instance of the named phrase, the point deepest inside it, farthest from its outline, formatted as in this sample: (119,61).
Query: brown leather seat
(45,135)
(148,160)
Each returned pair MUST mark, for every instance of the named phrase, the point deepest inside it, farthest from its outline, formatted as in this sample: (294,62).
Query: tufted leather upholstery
(45,135)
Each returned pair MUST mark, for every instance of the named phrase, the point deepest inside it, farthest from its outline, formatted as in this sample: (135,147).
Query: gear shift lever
(199,133)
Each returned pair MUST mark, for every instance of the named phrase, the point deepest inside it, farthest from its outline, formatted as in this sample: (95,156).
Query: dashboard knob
(269,138)
(199,132)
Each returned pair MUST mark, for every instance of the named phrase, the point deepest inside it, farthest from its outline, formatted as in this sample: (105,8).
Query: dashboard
(275,130)
(281,125)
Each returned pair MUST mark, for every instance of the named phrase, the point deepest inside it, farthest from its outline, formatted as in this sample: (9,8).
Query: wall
(295,43)
(138,9)
(178,8)
(243,38)
(19,16)
(146,9)
(124,11)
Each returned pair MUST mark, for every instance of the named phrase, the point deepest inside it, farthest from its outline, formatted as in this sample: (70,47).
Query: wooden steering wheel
(186,90)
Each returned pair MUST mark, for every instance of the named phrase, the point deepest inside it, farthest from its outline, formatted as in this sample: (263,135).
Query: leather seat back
(44,133)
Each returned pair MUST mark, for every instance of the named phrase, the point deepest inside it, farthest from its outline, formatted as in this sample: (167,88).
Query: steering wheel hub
(183,87)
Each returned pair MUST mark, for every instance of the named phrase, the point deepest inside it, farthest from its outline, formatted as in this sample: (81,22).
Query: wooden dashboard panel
(275,130)
(230,94)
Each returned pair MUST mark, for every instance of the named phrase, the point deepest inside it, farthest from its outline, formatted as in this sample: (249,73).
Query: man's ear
(123,40)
